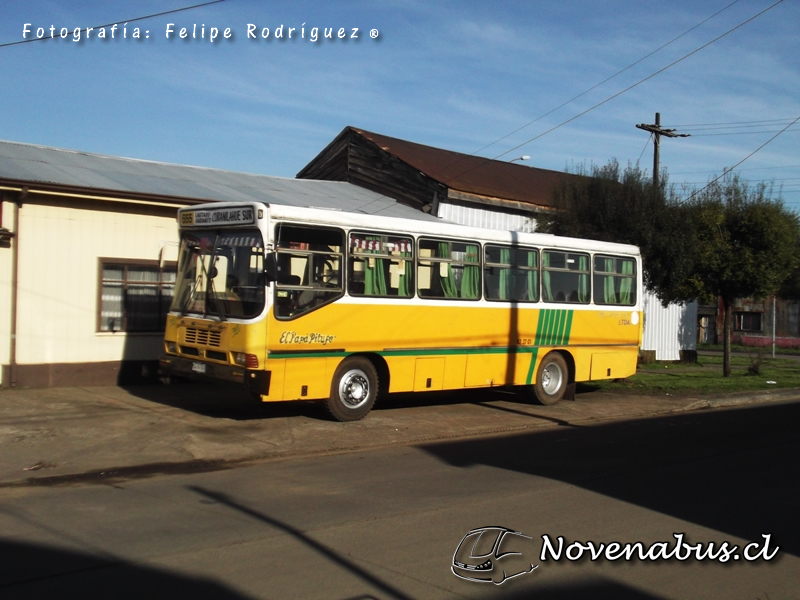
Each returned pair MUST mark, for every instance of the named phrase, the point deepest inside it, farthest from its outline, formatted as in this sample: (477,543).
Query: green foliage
(728,241)
(747,242)
(619,205)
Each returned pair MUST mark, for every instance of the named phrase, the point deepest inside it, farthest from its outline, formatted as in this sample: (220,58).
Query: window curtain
(470,281)
(546,291)
(583,279)
(626,285)
(448,282)
(533,283)
(609,295)
(404,286)
(374,275)
(505,273)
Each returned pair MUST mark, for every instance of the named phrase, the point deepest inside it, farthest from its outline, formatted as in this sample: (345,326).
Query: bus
(298,303)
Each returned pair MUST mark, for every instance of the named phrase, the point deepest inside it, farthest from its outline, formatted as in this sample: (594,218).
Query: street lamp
(525,157)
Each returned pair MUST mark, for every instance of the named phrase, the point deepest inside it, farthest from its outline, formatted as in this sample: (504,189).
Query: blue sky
(454,74)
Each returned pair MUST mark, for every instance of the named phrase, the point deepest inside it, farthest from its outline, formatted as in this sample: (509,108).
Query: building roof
(471,174)
(55,169)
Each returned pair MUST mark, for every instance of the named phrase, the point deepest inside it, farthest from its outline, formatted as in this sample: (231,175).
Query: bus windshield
(220,274)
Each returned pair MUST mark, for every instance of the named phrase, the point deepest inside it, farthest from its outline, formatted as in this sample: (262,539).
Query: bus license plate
(198,367)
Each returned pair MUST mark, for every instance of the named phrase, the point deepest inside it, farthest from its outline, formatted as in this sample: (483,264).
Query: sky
(497,79)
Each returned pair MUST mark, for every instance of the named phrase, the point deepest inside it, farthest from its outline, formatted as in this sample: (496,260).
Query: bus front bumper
(255,381)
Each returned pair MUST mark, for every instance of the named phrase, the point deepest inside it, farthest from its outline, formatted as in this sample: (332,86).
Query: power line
(607,79)
(161,14)
(747,169)
(740,132)
(734,123)
(673,63)
(695,51)
(744,159)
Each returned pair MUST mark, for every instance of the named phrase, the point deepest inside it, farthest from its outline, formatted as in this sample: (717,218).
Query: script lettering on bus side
(292,337)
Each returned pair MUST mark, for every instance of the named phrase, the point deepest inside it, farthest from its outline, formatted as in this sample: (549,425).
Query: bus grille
(201,337)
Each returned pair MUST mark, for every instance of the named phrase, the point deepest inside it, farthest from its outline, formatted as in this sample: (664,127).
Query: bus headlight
(171,347)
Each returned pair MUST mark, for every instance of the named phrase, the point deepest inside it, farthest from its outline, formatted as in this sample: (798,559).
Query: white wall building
(88,245)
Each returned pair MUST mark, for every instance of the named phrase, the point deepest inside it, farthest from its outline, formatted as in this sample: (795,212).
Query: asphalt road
(385,522)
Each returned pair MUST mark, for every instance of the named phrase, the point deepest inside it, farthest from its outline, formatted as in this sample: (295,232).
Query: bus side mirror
(271,267)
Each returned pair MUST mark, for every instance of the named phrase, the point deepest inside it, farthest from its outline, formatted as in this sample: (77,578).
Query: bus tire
(353,389)
(552,378)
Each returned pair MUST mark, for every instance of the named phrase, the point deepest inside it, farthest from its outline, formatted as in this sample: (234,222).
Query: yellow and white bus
(306,303)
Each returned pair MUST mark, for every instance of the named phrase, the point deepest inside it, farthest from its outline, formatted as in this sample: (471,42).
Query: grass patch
(705,377)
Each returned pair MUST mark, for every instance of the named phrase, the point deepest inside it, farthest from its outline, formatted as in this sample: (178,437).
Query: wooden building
(463,188)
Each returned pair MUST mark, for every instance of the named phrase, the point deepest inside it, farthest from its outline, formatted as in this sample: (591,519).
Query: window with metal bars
(134,296)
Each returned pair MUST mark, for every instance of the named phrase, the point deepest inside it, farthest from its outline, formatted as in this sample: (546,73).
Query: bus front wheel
(552,378)
(353,389)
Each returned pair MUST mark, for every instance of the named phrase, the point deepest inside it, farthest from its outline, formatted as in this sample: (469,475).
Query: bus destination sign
(220,216)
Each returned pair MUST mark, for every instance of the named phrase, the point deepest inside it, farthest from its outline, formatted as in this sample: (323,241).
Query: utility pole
(657,132)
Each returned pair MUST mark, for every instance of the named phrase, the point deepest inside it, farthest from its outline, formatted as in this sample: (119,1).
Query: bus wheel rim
(551,379)
(354,388)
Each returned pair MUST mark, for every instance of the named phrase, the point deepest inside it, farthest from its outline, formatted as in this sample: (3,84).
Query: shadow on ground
(217,400)
(734,471)
(33,571)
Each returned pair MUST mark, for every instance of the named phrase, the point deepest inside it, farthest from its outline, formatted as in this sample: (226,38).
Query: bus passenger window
(614,280)
(449,269)
(310,263)
(380,265)
(565,277)
(511,274)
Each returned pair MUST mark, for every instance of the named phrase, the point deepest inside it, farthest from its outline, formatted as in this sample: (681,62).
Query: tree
(620,205)
(746,245)
(728,241)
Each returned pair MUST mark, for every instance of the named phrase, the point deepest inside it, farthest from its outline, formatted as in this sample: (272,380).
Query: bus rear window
(614,280)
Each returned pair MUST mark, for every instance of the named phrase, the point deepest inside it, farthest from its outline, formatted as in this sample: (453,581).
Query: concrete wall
(6,214)
(58,284)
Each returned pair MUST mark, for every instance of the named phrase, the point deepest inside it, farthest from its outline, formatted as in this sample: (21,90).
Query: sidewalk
(99,434)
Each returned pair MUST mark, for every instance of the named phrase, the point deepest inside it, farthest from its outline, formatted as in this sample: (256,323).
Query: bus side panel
(307,378)
(455,367)
(277,368)
(613,365)
(401,369)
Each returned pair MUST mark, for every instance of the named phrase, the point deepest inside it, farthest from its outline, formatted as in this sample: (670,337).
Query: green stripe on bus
(539,328)
(410,352)
(569,327)
(554,327)
(558,322)
(529,378)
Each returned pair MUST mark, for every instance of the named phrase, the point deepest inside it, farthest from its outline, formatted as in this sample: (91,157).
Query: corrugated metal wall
(486,219)
(668,330)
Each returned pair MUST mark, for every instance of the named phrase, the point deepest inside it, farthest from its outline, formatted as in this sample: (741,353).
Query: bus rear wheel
(552,378)
(353,389)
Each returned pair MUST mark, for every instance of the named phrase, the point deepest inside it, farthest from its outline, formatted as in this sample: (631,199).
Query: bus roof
(431,226)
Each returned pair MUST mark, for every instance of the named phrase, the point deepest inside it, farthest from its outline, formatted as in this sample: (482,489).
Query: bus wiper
(210,288)
(187,288)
